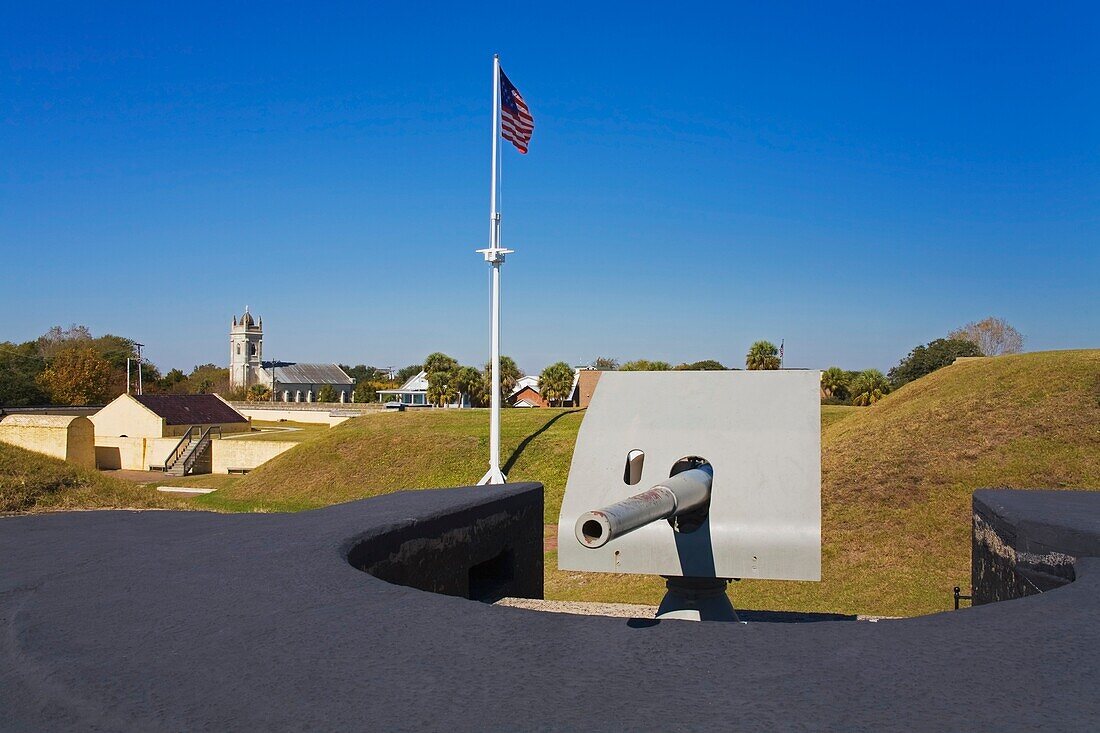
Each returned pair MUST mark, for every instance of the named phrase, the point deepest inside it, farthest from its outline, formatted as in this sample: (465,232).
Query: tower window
(252,349)
(238,349)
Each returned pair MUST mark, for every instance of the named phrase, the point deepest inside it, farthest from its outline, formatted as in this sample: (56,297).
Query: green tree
(834,383)
(367,390)
(20,365)
(208,379)
(441,388)
(869,387)
(258,393)
(509,375)
(706,365)
(327,393)
(439,362)
(404,374)
(77,376)
(468,381)
(605,364)
(762,355)
(556,383)
(928,358)
(644,365)
(993,336)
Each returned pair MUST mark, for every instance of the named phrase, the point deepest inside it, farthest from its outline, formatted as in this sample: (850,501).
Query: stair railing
(181,447)
(200,447)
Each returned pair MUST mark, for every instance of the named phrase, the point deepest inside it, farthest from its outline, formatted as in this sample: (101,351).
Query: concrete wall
(138,454)
(126,416)
(1029,542)
(321,416)
(132,454)
(70,438)
(245,453)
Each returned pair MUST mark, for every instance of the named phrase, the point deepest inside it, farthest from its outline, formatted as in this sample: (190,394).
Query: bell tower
(246,346)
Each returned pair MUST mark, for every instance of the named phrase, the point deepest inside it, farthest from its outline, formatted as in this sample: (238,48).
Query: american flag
(516,122)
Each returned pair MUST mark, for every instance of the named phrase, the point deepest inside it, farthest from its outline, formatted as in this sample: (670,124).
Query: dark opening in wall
(489,580)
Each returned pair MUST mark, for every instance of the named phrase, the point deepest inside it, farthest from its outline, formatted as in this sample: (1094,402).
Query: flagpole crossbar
(495,256)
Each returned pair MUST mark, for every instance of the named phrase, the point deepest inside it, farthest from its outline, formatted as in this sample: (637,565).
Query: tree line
(70,366)
(987,337)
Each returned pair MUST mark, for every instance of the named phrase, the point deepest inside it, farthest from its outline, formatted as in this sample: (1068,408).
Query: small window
(632,474)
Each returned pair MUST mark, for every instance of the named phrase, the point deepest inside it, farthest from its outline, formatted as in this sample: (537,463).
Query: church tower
(246,348)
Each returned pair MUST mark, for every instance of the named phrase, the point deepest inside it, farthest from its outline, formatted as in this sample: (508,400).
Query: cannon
(684,496)
(732,460)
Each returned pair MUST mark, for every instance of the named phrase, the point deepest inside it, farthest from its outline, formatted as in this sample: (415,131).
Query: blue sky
(853,180)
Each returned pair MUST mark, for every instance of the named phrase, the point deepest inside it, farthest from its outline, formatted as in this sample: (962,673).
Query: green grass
(32,482)
(831,414)
(275,431)
(378,454)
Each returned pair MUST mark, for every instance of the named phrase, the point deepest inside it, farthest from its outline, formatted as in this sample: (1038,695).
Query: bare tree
(993,336)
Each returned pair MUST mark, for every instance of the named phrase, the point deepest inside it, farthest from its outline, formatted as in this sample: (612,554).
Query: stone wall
(1028,542)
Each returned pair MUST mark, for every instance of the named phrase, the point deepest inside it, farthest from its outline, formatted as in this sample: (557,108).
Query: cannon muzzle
(683,493)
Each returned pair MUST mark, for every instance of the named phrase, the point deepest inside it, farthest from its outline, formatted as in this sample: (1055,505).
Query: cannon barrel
(685,492)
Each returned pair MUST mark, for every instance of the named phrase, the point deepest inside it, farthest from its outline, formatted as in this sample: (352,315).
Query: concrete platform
(195,621)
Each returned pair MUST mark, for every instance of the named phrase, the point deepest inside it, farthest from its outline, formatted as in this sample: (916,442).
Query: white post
(494,255)
(127,375)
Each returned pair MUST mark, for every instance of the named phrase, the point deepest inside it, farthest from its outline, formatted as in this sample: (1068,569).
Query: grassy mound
(385,452)
(33,482)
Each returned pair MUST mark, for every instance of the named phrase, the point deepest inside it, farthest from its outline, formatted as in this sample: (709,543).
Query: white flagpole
(494,255)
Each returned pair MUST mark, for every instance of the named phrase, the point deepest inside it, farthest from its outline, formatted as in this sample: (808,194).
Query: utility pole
(139,346)
(127,375)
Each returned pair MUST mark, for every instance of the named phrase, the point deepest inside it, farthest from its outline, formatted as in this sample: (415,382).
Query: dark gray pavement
(193,621)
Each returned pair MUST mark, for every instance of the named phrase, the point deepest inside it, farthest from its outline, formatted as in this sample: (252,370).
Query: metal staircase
(192,453)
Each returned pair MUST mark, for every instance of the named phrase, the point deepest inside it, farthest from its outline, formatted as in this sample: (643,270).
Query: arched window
(251,349)
(238,349)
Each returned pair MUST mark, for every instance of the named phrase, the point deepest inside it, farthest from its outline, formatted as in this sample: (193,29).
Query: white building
(289,381)
(414,393)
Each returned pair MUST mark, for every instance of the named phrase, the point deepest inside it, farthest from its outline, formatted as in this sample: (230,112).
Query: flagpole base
(493,476)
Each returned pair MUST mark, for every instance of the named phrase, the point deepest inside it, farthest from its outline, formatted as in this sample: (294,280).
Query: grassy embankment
(32,482)
(896,477)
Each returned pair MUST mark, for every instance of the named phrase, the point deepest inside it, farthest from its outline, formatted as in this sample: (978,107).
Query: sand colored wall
(132,454)
(70,438)
(126,416)
(246,453)
(138,454)
(322,417)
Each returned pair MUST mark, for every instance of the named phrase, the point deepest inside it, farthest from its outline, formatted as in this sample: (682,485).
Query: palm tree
(556,382)
(509,375)
(834,382)
(441,389)
(762,355)
(467,381)
(869,387)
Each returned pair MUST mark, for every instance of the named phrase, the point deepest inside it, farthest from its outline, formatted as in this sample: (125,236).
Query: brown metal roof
(190,409)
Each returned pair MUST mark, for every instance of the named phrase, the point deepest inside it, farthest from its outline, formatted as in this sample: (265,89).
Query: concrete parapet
(68,437)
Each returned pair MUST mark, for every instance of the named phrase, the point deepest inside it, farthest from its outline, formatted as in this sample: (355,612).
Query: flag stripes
(516,122)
